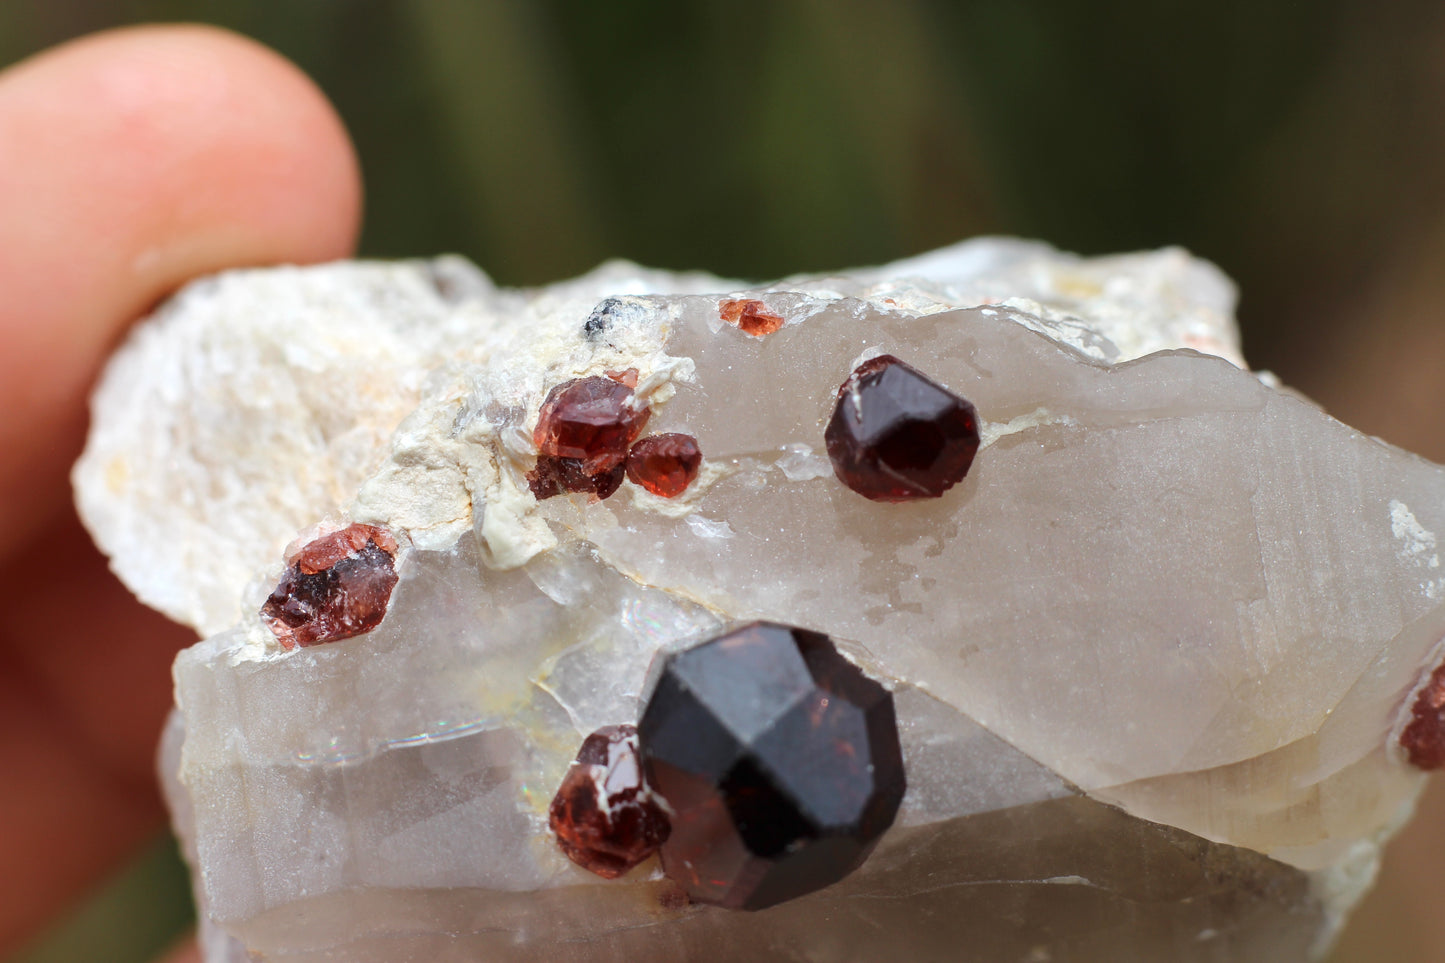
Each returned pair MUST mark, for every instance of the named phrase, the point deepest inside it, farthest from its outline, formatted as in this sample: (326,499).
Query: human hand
(130,162)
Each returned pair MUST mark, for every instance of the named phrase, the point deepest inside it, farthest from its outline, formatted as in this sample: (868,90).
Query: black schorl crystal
(600,319)
(779,760)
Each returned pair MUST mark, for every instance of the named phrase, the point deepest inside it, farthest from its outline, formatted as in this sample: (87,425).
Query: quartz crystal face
(1164,666)
(779,761)
(604,815)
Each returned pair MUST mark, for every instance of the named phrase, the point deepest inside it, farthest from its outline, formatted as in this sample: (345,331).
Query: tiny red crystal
(583,433)
(664,464)
(896,435)
(1424,737)
(626,377)
(336,586)
(604,815)
(752,316)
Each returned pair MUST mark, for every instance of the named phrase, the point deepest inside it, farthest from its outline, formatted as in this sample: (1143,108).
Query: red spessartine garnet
(335,587)
(1424,736)
(664,464)
(604,815)
(584,431)
(897,435)
(562,476)
(779,761)
(750,315)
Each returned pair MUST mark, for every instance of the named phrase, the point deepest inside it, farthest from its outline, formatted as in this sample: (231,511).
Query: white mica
(1166,586)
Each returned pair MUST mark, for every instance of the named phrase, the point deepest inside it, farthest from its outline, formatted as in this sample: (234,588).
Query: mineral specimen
(1151,661)
(604,815)
(895,435)
(779,761)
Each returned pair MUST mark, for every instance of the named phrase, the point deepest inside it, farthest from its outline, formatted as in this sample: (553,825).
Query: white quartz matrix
(1150,658)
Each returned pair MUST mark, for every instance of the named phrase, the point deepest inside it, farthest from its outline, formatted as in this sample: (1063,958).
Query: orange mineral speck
(751,316)
(628,377)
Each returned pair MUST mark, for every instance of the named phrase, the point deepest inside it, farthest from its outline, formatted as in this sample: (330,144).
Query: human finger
(131,161)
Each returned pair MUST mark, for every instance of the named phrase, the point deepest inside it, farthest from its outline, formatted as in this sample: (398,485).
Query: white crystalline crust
(1165,585)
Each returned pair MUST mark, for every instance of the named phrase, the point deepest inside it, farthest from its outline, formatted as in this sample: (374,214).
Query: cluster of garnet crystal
(586,439)
(776,759)
(896,435)
(336,586)
(750,316)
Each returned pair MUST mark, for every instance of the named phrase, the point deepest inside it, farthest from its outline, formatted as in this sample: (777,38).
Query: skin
(130,162)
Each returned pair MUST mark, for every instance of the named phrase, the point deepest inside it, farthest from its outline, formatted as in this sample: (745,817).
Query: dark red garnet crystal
(583,432)
(897,435)
(779,760)
(1424,737)
(604,815)
(336,586)
(664,464)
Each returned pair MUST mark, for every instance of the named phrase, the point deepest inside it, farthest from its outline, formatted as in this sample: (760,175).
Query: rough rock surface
(1150,658)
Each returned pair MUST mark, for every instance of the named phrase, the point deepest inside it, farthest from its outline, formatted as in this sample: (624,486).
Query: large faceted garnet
(779,760)
(897,435)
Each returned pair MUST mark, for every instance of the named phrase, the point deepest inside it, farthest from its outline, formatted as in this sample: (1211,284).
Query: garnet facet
(897,435)
(583,433)
(664,464)
(779,760)
(604,816)
(751,316)
(336,586)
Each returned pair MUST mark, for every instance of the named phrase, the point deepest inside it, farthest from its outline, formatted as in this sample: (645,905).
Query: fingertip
(131,161)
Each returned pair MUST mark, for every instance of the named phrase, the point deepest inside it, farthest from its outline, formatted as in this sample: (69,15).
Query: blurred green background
(1297,144)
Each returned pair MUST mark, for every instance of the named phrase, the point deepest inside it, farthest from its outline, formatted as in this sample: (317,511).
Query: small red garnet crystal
(335,587)
(1424,737)
(583,432)
(751,316)
(897,435)
(664,464)
(604,815)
